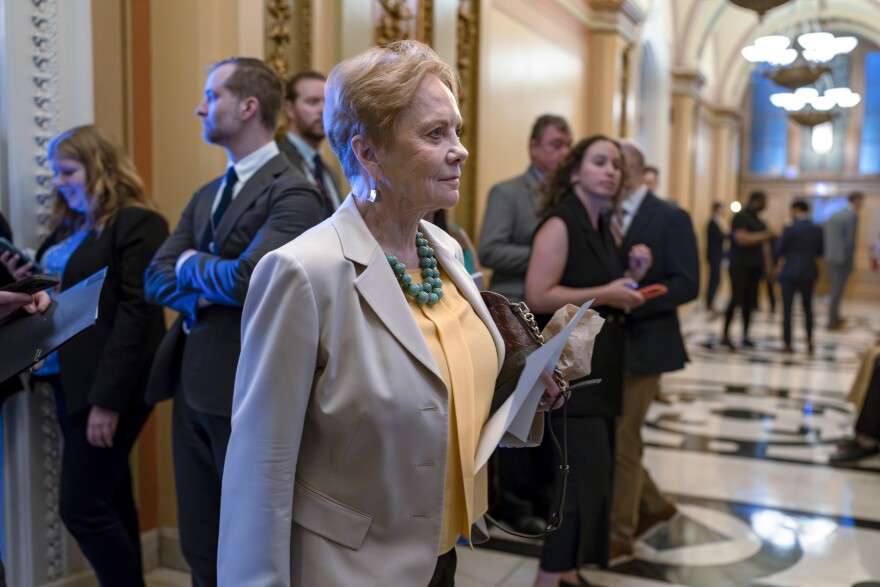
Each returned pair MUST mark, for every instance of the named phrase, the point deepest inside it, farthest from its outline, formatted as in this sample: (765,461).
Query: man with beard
(203,270)
(304,106)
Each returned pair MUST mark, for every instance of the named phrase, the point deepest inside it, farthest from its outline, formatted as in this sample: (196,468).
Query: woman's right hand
(10,261)
(621,294)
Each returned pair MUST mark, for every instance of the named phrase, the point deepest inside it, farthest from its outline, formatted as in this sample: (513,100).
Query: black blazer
(107,365)
(800,244)
(592,261)
(714,242)
(275,206)
(653,337)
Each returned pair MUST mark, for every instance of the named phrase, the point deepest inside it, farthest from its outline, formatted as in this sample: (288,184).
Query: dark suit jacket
(653,339)
(295,158)
(275,206)
(107,365)
(800,244)
(714,242)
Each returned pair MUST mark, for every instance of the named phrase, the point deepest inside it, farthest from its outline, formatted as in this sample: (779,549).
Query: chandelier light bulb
(773,43)
(844,45)
(823,103)
(849,101)
(815,40)
(806,94)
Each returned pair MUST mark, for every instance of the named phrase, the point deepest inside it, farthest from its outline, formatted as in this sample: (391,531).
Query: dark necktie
(617,219)
(318,172)
(225,197)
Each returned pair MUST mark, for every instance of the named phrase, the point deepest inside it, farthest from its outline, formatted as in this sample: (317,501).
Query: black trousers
(744,295)
(713,283)
(444,572)
(789,288)
(200,442)
(96,500)
(583,537)
(868,422)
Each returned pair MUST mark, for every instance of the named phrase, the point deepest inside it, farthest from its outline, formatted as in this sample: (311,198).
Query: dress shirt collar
(631,205)
(246,167)
(305,150)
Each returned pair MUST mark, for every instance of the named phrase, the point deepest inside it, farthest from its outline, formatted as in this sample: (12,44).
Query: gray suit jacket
(506,236)
(336,466)
(840,237)
(295,158)
(275,206)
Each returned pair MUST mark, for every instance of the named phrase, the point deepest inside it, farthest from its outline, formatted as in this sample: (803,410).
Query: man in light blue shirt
(304,106)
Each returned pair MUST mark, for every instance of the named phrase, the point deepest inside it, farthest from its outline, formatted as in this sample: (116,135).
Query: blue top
(55,260)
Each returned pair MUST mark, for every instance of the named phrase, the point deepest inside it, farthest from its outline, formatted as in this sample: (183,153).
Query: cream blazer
(336,465)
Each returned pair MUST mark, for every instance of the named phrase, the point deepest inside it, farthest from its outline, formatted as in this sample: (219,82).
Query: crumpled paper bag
(575,361)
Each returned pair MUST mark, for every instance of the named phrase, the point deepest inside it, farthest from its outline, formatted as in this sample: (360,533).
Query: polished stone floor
(742,447)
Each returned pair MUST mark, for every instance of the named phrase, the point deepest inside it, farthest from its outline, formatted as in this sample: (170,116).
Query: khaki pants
(635,493)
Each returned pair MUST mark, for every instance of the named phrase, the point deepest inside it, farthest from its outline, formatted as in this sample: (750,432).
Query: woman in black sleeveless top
(574,259)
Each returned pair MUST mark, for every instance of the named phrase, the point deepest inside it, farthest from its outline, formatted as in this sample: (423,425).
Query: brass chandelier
(759,6)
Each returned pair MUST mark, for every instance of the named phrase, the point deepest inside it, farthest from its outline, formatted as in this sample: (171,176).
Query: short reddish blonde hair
(365,95)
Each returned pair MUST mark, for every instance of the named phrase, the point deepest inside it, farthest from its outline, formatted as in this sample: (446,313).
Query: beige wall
(532,63)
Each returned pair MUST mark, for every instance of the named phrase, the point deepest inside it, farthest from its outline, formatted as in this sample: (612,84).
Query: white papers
(516,414)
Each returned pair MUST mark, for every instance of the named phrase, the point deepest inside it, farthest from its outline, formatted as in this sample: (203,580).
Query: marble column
(45,87)
(686,85)
(612,25)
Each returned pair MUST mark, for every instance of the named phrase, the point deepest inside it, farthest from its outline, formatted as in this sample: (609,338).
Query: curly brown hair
(557,185)
(112,181)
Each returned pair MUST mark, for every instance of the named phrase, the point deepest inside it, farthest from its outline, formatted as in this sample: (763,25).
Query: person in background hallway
(101,218)
(749,238)
(654,344)
(652,178)
(574,259)
(304,107)
(840,247)
(505,243)
(368,358)
(203,271)
(769,279)
(796,252)
(715,238)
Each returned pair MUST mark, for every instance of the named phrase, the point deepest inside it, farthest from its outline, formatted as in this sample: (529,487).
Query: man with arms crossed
(203,270)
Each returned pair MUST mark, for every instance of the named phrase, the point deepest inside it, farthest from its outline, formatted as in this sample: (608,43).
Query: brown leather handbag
(521,338)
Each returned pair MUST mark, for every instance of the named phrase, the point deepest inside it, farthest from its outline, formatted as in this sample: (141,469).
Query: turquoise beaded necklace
(430,290)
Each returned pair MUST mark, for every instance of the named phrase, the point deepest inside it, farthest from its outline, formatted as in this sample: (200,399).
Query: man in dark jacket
(715,238)
(796,251)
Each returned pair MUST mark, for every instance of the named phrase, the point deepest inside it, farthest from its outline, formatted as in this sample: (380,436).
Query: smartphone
(23,259)
(653,290)
(32,284)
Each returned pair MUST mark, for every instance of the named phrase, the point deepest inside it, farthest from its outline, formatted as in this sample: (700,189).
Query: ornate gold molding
(278,34)
(395,21)
(426,22)
(467,62)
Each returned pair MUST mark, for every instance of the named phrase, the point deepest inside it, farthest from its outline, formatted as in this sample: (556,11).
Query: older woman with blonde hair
(102,218)
(368,359)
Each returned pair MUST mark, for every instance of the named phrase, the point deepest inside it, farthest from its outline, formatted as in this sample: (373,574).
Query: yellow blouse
(464,350)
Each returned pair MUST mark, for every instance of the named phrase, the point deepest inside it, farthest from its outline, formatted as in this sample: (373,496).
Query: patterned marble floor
(742,447)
